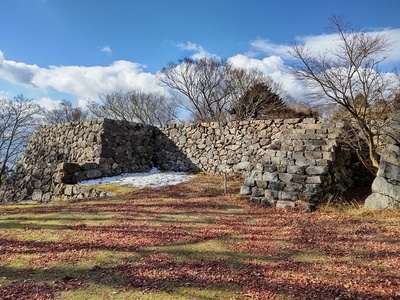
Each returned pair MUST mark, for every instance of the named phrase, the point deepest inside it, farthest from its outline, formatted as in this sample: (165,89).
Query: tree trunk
(374,156)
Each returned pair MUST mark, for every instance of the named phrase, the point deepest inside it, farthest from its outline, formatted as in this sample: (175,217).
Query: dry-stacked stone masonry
(67,153)
(386,186)
(291,159)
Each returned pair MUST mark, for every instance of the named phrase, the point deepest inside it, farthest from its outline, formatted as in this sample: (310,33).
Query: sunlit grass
(104,292)
(55,220)
(113,188)
(211,249)
(103,245)
(311,256)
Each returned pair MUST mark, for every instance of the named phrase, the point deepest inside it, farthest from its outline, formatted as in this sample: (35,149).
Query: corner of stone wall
(301,163)
(386,186)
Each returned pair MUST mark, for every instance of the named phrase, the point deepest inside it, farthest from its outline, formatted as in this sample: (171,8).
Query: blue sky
(76,49)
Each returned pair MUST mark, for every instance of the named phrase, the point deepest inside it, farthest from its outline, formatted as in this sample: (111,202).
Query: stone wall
(99,148)
(236,146)
(285,159)
(280,159)
(386,186)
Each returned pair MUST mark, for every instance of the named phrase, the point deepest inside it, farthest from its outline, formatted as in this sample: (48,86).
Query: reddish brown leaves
(269,253)
(26,290)
(29,289)
(160,272)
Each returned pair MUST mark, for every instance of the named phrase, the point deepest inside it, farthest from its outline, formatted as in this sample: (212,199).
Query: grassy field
(191,241)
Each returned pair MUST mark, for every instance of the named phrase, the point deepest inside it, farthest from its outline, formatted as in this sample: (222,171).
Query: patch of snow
(154,179)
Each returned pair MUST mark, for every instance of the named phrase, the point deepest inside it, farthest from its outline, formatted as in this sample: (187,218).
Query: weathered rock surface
(386,186)
(302,161)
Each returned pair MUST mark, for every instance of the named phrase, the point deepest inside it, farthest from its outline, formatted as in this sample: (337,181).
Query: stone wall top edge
(89,123)
(232,123)
(248,122)
(72,124)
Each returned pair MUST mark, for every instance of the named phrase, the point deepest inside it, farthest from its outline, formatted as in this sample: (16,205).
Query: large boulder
(386,186)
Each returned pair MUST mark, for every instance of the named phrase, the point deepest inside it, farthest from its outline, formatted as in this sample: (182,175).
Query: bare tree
(17,122)
(65,112)
(201,81)
(210,86)
(349,76)
(135,106)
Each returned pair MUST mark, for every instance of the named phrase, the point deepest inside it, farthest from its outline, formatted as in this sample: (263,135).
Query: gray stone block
(255,199)
(382,186)
(46,197)
(262,184)
(295,170)
(389,171)
(257,175)
(257,192)
(317,170)
(242,166)
(299,178)
(391,155)
(286,195)
(314,179)
(285,204)
(269,168)
(271,194)
(69,190)
(68,167)
(37,195)
(58,190)
(270,176)
(268,202)
(313,154)
(294,187)
(285,177)
(377,201)
(245,190)
(276,160)
(303,162)
(313,188)
(276,186)
(250,182)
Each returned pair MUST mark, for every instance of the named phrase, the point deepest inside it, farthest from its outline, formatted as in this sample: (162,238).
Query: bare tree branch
(17,122)
(65,112)
(349,76)
(135,106)
(210,86)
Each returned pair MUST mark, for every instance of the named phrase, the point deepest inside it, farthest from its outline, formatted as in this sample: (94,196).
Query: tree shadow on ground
(167,243)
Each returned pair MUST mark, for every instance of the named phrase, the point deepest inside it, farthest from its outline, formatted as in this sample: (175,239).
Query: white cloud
(106,49)
(329,41)
(47,103)
(273,66)
(325,42)
(80,81)
(201,52)
(15,72)
(265,46)
(269,65)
